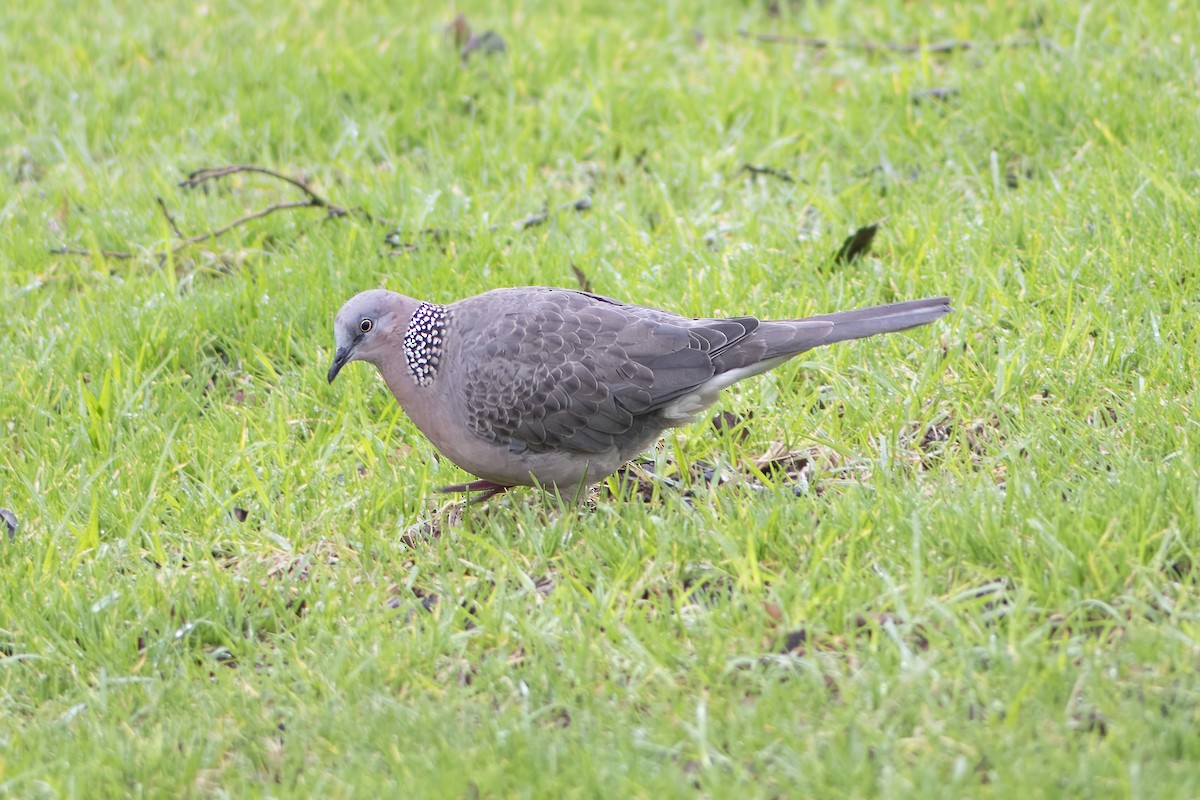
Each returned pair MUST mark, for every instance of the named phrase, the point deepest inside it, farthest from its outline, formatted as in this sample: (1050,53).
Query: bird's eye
(366,325)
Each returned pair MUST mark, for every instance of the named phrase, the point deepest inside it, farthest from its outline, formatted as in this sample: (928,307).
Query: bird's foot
(487,489)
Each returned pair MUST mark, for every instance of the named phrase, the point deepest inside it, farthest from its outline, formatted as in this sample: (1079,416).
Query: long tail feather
(787,338)
(883,319)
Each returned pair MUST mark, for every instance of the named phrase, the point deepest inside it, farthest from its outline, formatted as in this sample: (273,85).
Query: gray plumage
(557,387)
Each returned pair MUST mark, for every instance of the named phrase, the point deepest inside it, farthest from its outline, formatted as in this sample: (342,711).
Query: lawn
(960,561)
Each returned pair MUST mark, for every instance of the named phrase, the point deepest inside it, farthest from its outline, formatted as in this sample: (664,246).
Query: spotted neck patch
(424,342)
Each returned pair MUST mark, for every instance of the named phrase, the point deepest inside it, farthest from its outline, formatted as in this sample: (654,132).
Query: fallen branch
(116,255)
(262,212)
(170,219)
(201,176)
(211,173)
(772,172)
(585,283)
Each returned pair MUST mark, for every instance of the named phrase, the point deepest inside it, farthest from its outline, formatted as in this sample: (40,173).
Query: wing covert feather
(555,369)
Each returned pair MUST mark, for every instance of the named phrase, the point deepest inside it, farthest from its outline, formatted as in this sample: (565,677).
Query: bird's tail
(786,338)
(894,317)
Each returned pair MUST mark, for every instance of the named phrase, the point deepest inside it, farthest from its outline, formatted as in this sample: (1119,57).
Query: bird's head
(367,326)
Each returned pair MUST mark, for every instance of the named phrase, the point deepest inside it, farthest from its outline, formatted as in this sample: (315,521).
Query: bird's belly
(561,469)
(448,429)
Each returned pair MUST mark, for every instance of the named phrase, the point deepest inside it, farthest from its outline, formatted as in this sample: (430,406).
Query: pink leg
(488,489)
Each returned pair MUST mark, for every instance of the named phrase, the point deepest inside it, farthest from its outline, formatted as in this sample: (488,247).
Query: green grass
(994,567)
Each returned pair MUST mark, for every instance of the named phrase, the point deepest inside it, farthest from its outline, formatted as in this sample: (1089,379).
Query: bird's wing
(557,369)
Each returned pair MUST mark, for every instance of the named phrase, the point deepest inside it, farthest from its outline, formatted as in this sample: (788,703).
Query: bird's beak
(339,360)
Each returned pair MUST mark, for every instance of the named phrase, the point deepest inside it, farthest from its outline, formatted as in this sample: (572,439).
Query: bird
(558,388)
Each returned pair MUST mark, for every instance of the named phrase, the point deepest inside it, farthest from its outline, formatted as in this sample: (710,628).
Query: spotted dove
(559,388)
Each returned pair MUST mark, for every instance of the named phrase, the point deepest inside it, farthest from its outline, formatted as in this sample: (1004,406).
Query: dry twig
(772,172)
(170,219)
(201,176)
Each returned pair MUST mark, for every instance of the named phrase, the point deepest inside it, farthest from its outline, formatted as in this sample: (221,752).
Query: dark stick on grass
(262,212)
(585,283)
(211,173)
(201,176)
(754,169)
(116,255)
(170,219)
